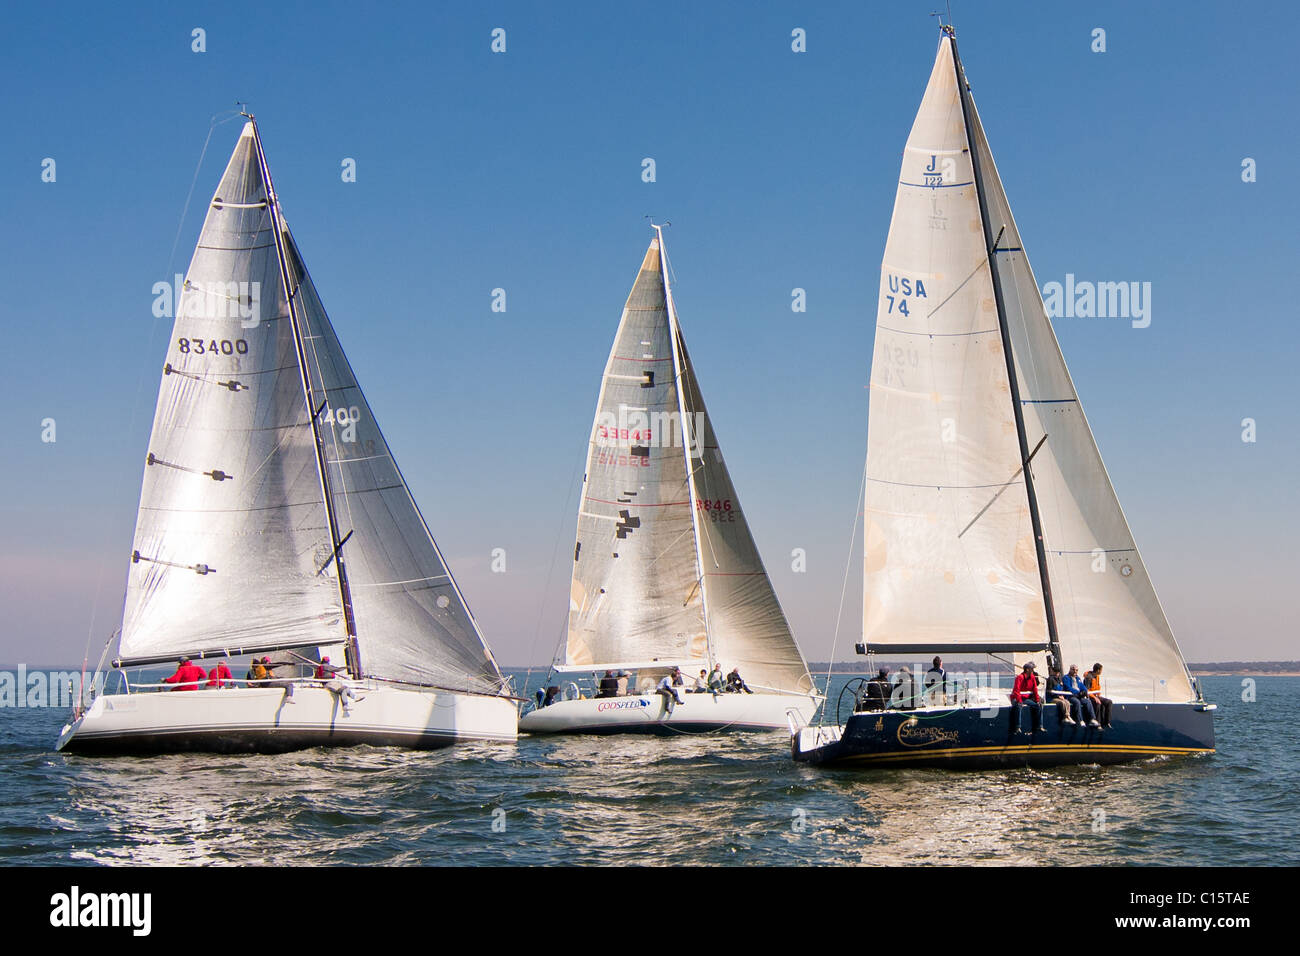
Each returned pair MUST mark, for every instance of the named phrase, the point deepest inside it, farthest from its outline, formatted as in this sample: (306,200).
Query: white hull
(261,720)
(646,713)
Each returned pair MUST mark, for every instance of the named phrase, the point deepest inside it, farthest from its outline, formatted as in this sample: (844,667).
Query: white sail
(949,550)
(231,528)
(412,622)
(746,626)
(233,546)
(635,594)
(1105,605)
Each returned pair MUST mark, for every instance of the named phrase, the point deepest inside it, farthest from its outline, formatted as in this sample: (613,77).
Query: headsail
(267,561)
(951,556)
(641,503)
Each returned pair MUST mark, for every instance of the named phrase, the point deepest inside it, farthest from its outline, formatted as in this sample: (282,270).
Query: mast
(353,653)
(686,445)
(990,242)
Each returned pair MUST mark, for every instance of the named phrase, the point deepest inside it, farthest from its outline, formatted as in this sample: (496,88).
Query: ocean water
(733,799)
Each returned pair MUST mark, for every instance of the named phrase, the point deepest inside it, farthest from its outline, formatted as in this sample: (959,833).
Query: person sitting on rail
(1079,690)
(286,683)
(218,676)
(667,689)
(701,684)
(325,670)
(1024,693)
(1067,705)
(187,676)
(1101,704)
(736,684)
(717,683)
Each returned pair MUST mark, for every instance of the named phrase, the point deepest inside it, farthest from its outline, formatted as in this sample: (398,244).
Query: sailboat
(273,519)
(991,525)
(665,571)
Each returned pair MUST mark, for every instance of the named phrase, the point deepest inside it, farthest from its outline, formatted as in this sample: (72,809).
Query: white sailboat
(666,572)
(274,519)
(991,526)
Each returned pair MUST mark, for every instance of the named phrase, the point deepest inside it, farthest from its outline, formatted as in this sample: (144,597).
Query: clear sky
(522,170)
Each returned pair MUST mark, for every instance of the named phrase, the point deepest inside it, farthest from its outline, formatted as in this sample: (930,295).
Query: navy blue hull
(975,740)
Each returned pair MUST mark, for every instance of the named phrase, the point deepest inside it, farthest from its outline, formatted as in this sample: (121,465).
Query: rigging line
(1009,482)
(550,572)
(960,286)
(848,565)
(668,547)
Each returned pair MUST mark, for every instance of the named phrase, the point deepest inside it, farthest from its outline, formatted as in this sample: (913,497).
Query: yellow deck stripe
(1082,749)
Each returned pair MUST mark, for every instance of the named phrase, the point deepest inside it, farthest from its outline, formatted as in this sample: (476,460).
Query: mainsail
(665,567)
(234,547)
(951,555)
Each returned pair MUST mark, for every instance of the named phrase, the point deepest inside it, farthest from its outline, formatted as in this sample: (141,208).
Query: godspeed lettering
(74,909)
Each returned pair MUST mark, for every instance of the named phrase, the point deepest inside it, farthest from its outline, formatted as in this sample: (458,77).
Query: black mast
(991,240)
(313,408)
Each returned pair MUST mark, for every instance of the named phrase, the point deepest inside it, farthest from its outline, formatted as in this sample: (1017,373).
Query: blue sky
(522,171)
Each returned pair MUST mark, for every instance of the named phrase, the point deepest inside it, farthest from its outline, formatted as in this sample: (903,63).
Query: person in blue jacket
(1074,684)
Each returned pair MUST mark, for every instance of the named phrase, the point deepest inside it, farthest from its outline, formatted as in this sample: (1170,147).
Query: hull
(645,714)
(261,720)
(975,739)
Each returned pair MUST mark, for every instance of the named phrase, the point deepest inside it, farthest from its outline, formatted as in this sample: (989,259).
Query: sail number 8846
(718,510)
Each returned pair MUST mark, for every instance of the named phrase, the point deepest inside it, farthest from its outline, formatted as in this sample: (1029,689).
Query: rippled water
(644,800)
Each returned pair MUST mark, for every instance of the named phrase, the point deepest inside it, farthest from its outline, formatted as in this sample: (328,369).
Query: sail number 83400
(212,346)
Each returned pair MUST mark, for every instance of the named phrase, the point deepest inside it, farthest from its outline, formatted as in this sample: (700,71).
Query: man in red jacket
(1024,693)
(187,676)
(218,676)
